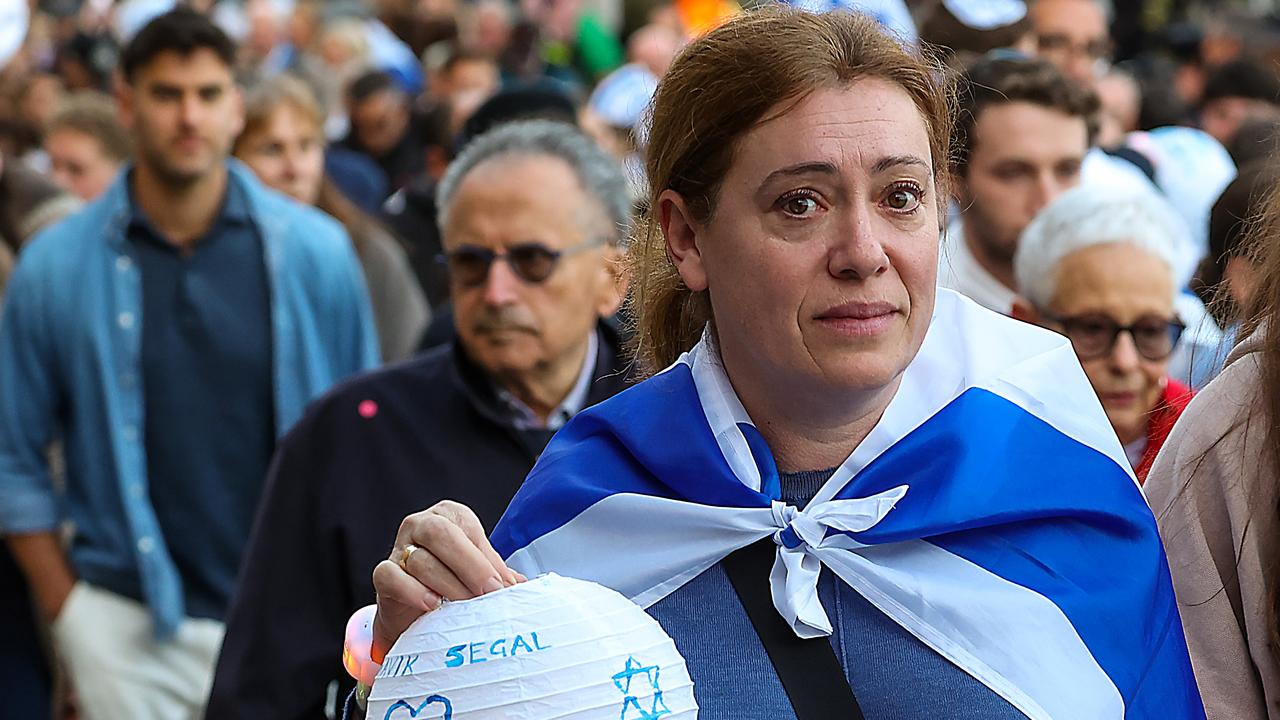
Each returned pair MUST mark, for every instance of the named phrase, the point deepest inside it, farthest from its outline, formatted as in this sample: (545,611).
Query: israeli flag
(991,513)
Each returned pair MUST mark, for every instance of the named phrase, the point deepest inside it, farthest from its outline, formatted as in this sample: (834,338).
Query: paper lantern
(546,649)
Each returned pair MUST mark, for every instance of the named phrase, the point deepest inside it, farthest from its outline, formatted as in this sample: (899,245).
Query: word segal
(502,647)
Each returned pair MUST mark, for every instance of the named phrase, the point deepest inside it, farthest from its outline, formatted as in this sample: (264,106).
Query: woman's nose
(857,249)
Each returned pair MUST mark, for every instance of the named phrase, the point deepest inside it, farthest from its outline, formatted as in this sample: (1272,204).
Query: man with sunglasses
(532,217)
(1098,265)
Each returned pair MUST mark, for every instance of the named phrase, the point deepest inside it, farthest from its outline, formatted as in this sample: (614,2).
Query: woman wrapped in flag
(942,500)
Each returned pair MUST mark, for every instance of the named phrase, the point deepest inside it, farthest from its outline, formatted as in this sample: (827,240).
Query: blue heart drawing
(413,712)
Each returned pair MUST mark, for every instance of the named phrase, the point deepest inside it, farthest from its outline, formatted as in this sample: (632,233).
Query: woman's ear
(681,233)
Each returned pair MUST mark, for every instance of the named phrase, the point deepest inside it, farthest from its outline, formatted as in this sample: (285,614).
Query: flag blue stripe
(1073,527)
(669,452)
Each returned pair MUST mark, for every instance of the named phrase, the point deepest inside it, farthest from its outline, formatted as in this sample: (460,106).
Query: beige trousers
(117,668)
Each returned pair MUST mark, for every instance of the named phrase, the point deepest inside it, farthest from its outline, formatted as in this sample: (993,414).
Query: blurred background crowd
(358,109)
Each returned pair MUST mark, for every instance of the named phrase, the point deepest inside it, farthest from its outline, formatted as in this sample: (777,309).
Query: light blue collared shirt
(70,368)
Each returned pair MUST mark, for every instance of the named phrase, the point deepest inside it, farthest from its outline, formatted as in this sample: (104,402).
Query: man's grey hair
(599,173)
(1097,214)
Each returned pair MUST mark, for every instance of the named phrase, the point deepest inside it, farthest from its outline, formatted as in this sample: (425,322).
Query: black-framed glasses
(1094,335)
(531,262)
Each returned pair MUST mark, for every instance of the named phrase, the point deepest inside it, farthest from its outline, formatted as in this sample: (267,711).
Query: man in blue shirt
(167,334)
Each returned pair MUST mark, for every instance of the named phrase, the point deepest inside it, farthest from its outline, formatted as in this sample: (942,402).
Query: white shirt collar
(959,270)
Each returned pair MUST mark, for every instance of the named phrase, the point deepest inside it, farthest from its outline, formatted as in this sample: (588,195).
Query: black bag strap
(809,669)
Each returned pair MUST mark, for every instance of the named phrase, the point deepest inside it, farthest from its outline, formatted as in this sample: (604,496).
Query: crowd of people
(275,274)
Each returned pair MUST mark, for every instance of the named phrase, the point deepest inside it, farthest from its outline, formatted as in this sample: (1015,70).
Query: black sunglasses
(531,262)
(1094,336)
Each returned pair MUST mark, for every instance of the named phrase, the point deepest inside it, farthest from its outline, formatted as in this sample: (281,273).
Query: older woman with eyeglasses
(1097,265)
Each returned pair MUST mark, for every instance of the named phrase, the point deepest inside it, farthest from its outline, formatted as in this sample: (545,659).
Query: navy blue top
(206,374)
(893,674)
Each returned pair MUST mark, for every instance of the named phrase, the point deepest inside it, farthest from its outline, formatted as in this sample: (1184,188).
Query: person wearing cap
(964,30)
(1099,265)
(533,288)
(616,106)
(615,111)
(166,334)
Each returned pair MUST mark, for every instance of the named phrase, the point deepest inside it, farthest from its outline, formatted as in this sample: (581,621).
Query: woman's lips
(859,319)
(1120,399)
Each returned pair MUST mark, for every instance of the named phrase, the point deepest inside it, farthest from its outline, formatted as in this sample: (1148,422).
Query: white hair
(1096,214)
(600,175)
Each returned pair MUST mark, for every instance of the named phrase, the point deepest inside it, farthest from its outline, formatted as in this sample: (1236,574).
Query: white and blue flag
(991,513)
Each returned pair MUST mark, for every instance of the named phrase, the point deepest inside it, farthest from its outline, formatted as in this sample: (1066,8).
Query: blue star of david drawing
(631,709)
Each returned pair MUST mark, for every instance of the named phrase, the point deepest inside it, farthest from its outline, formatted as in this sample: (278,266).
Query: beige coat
(1215,498)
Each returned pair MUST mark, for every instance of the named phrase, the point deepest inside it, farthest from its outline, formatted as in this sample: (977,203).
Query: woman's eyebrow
(805,168)
(893,161)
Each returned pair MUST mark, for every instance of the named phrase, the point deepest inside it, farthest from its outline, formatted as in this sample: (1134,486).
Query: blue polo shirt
(209,424)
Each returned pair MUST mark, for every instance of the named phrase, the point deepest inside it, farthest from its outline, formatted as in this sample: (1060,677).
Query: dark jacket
(411,213)
(402,163)
(371,451)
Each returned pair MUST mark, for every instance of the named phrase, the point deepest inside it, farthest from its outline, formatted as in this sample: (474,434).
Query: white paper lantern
(550,648)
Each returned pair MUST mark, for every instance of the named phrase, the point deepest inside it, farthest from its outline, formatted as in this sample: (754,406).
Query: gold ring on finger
(408,550)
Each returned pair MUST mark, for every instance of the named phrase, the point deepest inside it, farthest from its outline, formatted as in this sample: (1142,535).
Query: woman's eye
(903,199)
(799,206)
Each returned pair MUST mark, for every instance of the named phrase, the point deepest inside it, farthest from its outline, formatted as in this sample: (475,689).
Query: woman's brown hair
(263,99)
(750,70)
(261,102)
(1263,316)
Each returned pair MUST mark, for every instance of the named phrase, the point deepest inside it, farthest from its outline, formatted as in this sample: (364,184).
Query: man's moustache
(497,325)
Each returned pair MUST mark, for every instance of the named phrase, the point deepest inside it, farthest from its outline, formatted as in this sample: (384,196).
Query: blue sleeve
(29,393)
(355,336)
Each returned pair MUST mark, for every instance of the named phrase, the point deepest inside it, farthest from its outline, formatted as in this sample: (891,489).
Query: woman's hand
(440,553)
